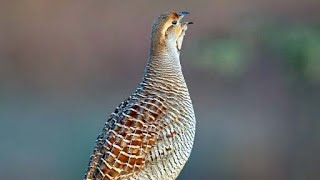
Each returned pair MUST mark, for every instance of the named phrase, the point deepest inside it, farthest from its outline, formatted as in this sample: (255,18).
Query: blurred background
(252,67)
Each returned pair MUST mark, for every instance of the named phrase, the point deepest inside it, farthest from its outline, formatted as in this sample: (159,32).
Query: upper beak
(182,14)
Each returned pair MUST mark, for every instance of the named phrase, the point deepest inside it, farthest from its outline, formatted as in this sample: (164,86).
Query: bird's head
(168,30)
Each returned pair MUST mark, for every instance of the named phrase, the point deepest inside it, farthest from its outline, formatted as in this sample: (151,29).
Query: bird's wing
(125,143)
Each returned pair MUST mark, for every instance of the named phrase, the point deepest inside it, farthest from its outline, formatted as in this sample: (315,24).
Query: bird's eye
(174,22)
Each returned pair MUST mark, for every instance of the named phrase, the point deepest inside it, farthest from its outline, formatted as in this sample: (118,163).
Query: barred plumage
(150,135)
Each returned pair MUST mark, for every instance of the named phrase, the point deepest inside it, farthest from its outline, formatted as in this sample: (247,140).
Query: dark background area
(252,68)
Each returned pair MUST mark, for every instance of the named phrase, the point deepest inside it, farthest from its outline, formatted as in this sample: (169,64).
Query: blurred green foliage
(226,56)
(299,46)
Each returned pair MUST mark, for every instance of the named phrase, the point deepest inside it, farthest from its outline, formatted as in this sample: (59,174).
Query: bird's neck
(165,61)
(164,67)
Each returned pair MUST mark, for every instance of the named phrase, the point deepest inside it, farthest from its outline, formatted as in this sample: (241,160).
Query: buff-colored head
(168,31)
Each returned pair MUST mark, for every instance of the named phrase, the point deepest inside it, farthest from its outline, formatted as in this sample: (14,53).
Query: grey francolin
(150,135)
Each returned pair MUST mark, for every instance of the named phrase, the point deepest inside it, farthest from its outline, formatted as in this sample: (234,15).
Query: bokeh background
(252,67)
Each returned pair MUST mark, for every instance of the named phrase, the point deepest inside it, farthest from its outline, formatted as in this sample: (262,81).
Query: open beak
(181,14)
(184,27)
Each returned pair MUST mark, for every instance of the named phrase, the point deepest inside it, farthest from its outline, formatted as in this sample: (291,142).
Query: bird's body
(150,135)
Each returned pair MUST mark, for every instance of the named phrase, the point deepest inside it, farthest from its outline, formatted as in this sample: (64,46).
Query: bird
(151,134)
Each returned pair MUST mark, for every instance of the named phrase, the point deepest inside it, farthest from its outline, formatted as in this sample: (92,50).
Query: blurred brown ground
(252,67)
